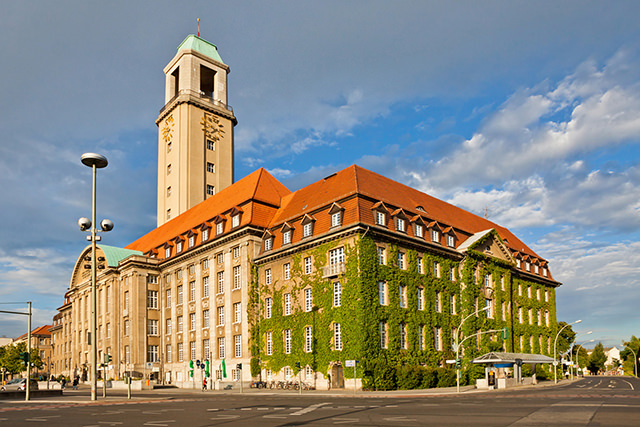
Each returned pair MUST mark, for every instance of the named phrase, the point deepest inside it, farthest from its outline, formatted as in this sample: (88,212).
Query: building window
(307,265)
(382,291)
(179,247)
(168,326)
(287,341)
(437,338)
(127,328)
(205,287)
(180,324)
(307,229)
(269,340)
(221,348)
(268,243)
(237,312)
(308,300)
(211,145)
(152,353)
(179,294)
(211,167)
(438,304)
(287,271)
(488,303)
(337,336)
(400,225)
(436,269)
(452,275)
(420,268)
(267,307)
(383,334)
(435,236)
(401,260)
(286,237)
(205,234)
(419,231)
(169,169)
(381,256)
(337,294)
(192,291)
(420,298)
(452,303)
(167,353)
(180,352)
(221,316)
(336,219)
(167,251)
(236,252)
(152,299)
(152,327)
(192,321)
(420,333)
(402,294)
(192,241)
(267,276)
(127,354)
(236,277)
(211,190)
(205,318)
(235,220)
(219,228)
(168,218)
(450,241)
(237,340)
(287,304)
(403,336)
(205,346)
(220,282)
(308,339)
(380,218)
(192,350)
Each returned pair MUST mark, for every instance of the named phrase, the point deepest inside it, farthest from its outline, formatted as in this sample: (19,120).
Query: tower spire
(198,27)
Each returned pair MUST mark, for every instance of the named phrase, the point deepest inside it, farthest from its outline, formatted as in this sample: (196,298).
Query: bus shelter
(504,370)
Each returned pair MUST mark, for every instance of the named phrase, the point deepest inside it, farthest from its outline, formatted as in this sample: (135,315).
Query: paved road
(595,401)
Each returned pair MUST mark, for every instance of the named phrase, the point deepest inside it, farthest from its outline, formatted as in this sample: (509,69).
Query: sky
(525,112)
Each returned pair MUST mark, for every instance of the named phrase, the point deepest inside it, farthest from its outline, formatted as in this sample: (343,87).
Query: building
(41,344)
(256,279)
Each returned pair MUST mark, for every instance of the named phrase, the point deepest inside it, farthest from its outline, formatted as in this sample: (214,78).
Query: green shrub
(446,377)
(409,377)
(429,378)
(385,377)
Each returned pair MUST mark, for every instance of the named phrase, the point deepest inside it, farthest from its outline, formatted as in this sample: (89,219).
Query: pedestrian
(64,382)
(329,382)
(204,384)
(76,380)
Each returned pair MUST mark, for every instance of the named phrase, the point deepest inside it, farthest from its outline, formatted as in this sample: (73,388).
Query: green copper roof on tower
(201,45)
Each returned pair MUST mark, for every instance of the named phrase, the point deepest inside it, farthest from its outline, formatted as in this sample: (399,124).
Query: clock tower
(195,138)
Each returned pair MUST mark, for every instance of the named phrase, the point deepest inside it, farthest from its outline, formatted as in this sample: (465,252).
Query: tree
(627,355)
(566,337)
(597,359)
(10,357)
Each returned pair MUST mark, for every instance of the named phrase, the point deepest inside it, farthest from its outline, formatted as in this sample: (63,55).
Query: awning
(499,357)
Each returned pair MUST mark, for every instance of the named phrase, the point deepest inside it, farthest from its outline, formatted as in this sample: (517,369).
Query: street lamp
(571,350)
(95,162)
(457,346)
(555,344)
(635,359)
(577,356)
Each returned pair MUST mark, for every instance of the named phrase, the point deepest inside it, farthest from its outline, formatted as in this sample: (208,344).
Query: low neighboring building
(41,345)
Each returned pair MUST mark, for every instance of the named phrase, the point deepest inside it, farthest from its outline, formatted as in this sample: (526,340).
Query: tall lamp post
(555,353)
(577,356)
(571,349)
(635,359)
(95,162)
(457,345)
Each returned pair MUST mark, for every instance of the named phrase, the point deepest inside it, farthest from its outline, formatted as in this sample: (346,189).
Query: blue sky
(528,112)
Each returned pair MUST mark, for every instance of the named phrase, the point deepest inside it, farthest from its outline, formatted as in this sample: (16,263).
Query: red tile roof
(40,331)
(260,190)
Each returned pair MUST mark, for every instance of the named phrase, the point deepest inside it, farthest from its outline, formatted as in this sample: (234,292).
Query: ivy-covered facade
(389,293)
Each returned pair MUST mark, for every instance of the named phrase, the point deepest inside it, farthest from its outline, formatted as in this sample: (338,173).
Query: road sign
(451,361)
(149,365)
(350,363)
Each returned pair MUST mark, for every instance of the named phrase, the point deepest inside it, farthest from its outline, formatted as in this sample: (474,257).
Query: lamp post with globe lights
(571,349)
(578,357)
(555,353)
(95,162)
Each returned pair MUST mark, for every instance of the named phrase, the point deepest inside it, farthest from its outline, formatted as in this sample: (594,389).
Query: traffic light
(191,368)
(458,363)
(298,365)
(107,358)
(239,366)
(505,334)
(24,356)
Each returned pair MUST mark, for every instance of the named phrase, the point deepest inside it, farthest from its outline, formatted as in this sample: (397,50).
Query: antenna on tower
(198,27)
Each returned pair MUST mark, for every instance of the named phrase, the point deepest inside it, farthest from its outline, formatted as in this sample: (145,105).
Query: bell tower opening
(174,83)
(207,79)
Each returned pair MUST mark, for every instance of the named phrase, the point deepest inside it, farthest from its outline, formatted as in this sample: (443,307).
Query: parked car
(19,384)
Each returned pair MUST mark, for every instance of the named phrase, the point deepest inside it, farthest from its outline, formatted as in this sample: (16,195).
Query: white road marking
(159,423)
(396,419)
(246,409)
(274,416)
(345,420)
(630,385)
(225,417)
(309,408)
(42,419)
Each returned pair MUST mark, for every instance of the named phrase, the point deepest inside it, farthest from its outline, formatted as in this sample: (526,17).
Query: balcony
(333,270)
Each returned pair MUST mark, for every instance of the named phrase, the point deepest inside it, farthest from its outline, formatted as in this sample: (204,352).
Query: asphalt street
(593,401)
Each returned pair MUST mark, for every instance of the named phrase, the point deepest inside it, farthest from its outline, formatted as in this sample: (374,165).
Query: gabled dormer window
(192,241)
(518,263)
(220,228)
(235,220)
(450,241)
(307,229)
(167,252)
(205,234)
(400,225)
(286,237)
(435,236)
(527,266)
(336,215)
(381,218)
(419,230)
(268,243)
